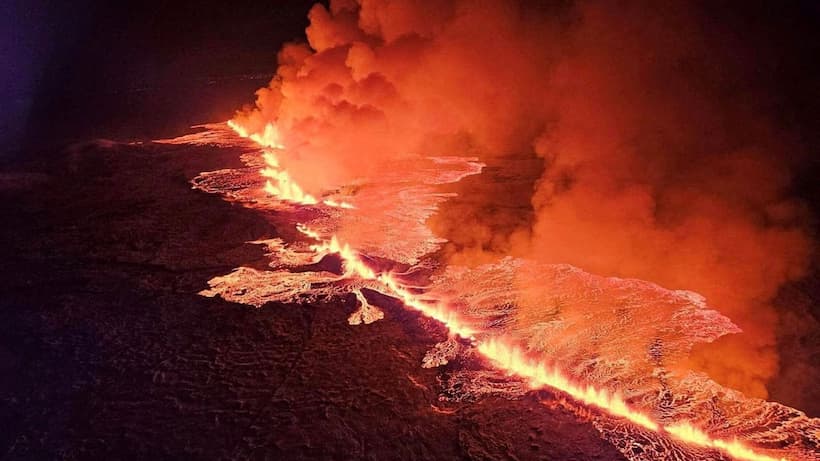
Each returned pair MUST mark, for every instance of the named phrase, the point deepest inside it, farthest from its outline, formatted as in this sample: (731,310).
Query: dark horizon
(134,70)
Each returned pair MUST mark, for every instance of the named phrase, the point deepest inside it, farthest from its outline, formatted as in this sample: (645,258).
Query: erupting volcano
(473,314)
(556,230)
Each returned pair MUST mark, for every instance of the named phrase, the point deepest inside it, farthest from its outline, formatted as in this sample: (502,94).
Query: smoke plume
(648,125)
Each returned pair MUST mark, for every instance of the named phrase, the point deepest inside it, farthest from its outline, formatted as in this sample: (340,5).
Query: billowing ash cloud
(659,161)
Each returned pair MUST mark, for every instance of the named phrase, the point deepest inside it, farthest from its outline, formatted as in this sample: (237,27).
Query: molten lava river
(611,349)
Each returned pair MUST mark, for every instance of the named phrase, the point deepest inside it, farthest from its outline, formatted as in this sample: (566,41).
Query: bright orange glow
(690,434)
(268,138)
(279,183)
(355,267)
(514,361)
(497,350)
(336,204)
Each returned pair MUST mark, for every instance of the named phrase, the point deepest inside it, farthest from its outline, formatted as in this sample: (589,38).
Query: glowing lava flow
(508,358)
(514,361)
(354,266)
(690,434)
(279,183)
(268,138)
(504,357)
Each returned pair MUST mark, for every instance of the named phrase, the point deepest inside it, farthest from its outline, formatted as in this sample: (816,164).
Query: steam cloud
(659,161)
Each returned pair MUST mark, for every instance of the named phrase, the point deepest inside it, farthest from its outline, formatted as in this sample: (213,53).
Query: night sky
(133,69)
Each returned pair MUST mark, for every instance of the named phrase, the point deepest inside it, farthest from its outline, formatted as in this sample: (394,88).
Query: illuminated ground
(107,351)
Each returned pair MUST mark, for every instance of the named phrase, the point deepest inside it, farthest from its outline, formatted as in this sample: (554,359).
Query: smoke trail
(662,165)
(647,124)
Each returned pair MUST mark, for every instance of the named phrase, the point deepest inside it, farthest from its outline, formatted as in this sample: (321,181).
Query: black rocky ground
(106,350)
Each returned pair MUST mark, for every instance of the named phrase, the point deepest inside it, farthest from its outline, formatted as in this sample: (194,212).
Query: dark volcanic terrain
(107,351)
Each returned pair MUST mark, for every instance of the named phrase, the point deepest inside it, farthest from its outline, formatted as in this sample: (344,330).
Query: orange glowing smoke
(497,350)
(665,157)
